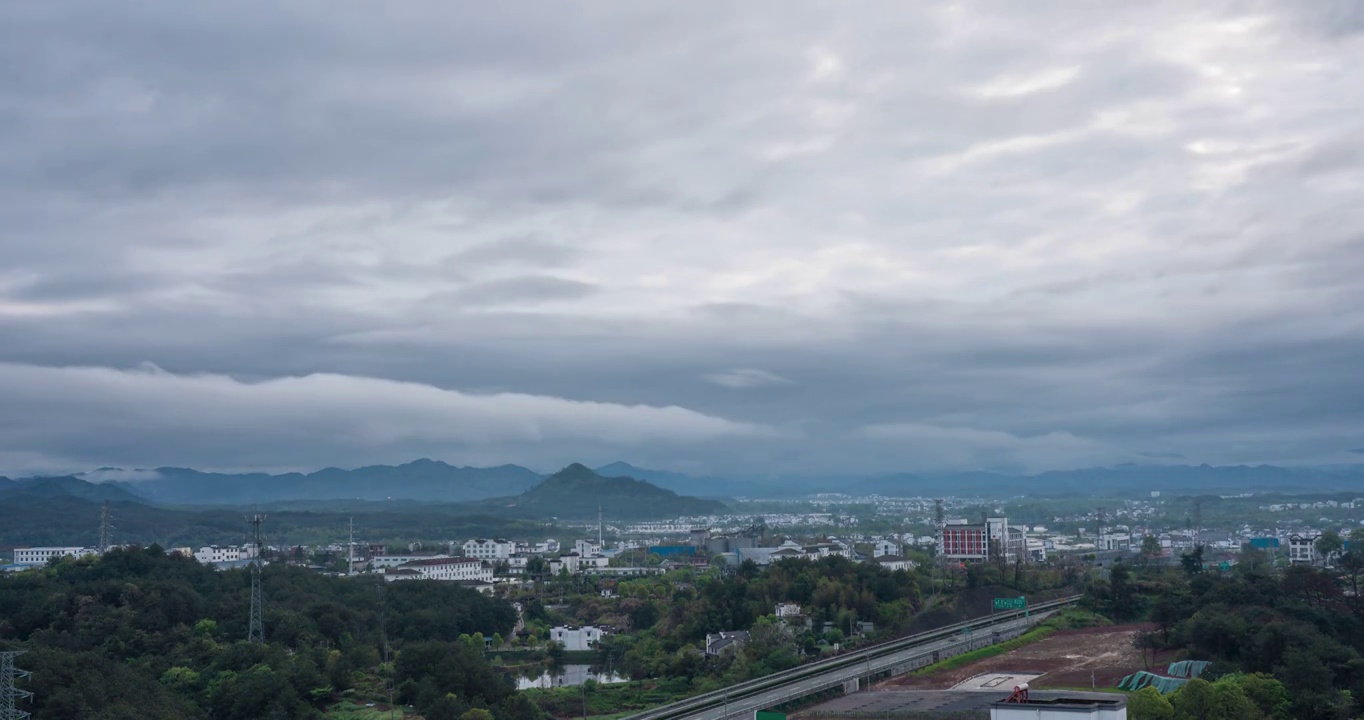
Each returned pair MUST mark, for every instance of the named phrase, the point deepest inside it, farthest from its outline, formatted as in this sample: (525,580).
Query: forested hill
(426,480)
(143,634)
(577,492)
(66,511)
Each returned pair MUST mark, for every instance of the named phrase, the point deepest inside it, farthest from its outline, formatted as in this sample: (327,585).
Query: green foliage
(1148,704)
(1283,644)
(139,633)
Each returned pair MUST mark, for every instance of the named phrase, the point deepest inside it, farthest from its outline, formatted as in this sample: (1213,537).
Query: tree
(1148,704)
(1328,544)
(1150,547)
(1146,641)
(1194,701)
(1192,561)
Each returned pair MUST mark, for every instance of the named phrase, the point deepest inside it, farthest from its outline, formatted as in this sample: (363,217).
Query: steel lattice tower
(255,631)
(106,528)
(10,695)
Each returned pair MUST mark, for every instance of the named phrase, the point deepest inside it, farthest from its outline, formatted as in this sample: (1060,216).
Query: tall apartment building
(983,541)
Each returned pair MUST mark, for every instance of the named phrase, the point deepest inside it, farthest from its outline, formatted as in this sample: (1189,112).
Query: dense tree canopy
(140,633)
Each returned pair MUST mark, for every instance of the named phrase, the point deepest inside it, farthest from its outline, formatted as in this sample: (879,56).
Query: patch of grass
(1074,618)
(347,710)
(1040,632)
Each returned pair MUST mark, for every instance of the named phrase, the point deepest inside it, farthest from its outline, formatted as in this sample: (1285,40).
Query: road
(741,700)
(745,707)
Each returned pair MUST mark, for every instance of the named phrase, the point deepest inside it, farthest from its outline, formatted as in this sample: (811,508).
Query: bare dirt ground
(1065,659)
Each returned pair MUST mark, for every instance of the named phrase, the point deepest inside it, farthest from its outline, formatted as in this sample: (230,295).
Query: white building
(1302,549)
(575,563)
(576,638)
(216,554)
(885,547)
(380,562)
(1087,707)
(587,547)
(489,549)
(450,569)
(1115,541)
(788,610)
(40,555)
(895,562)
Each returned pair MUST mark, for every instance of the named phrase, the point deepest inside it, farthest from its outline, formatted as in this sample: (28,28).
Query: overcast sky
(784,237)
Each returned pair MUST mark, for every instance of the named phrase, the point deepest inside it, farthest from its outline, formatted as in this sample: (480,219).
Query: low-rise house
(575,638)
(484,549)
(722,642)
(895,562)
(788,610)
(381,562)
(228,554)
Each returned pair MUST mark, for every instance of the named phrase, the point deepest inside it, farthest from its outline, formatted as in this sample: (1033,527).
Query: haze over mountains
(435,481)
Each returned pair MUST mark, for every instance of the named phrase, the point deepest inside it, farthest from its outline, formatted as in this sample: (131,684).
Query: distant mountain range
(427,480)
(433,481)
(704,486)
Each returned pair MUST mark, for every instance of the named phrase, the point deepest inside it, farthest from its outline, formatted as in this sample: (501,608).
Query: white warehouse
(40,555)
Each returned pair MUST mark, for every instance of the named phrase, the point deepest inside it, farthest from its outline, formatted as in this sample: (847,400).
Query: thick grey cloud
(783,237)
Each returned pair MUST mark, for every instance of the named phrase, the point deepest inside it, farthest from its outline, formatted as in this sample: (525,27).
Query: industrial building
(469,569)
(1019,706)
(41,555)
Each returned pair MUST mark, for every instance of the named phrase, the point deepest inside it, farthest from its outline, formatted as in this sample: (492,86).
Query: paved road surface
(745,707)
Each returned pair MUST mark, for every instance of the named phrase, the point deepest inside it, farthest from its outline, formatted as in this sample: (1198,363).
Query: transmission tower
(106,528)
(1099,533)
(10,695)
(256,630)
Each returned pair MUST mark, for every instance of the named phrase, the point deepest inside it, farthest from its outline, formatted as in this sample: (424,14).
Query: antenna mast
(600,546)
(9,694)
(256,630)
(350,549)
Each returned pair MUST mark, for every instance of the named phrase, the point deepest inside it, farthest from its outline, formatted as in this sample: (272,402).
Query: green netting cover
(1163,685)
(1187,668)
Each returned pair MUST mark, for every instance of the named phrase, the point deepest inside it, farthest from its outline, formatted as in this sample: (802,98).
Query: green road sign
(768,715)
(1017,603)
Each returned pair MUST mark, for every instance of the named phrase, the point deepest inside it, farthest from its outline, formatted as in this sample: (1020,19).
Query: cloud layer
(785,237)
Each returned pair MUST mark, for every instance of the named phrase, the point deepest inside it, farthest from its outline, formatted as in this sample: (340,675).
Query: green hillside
(577,492)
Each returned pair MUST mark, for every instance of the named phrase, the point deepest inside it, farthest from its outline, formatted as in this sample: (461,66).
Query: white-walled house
(218,554)
(576,638)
